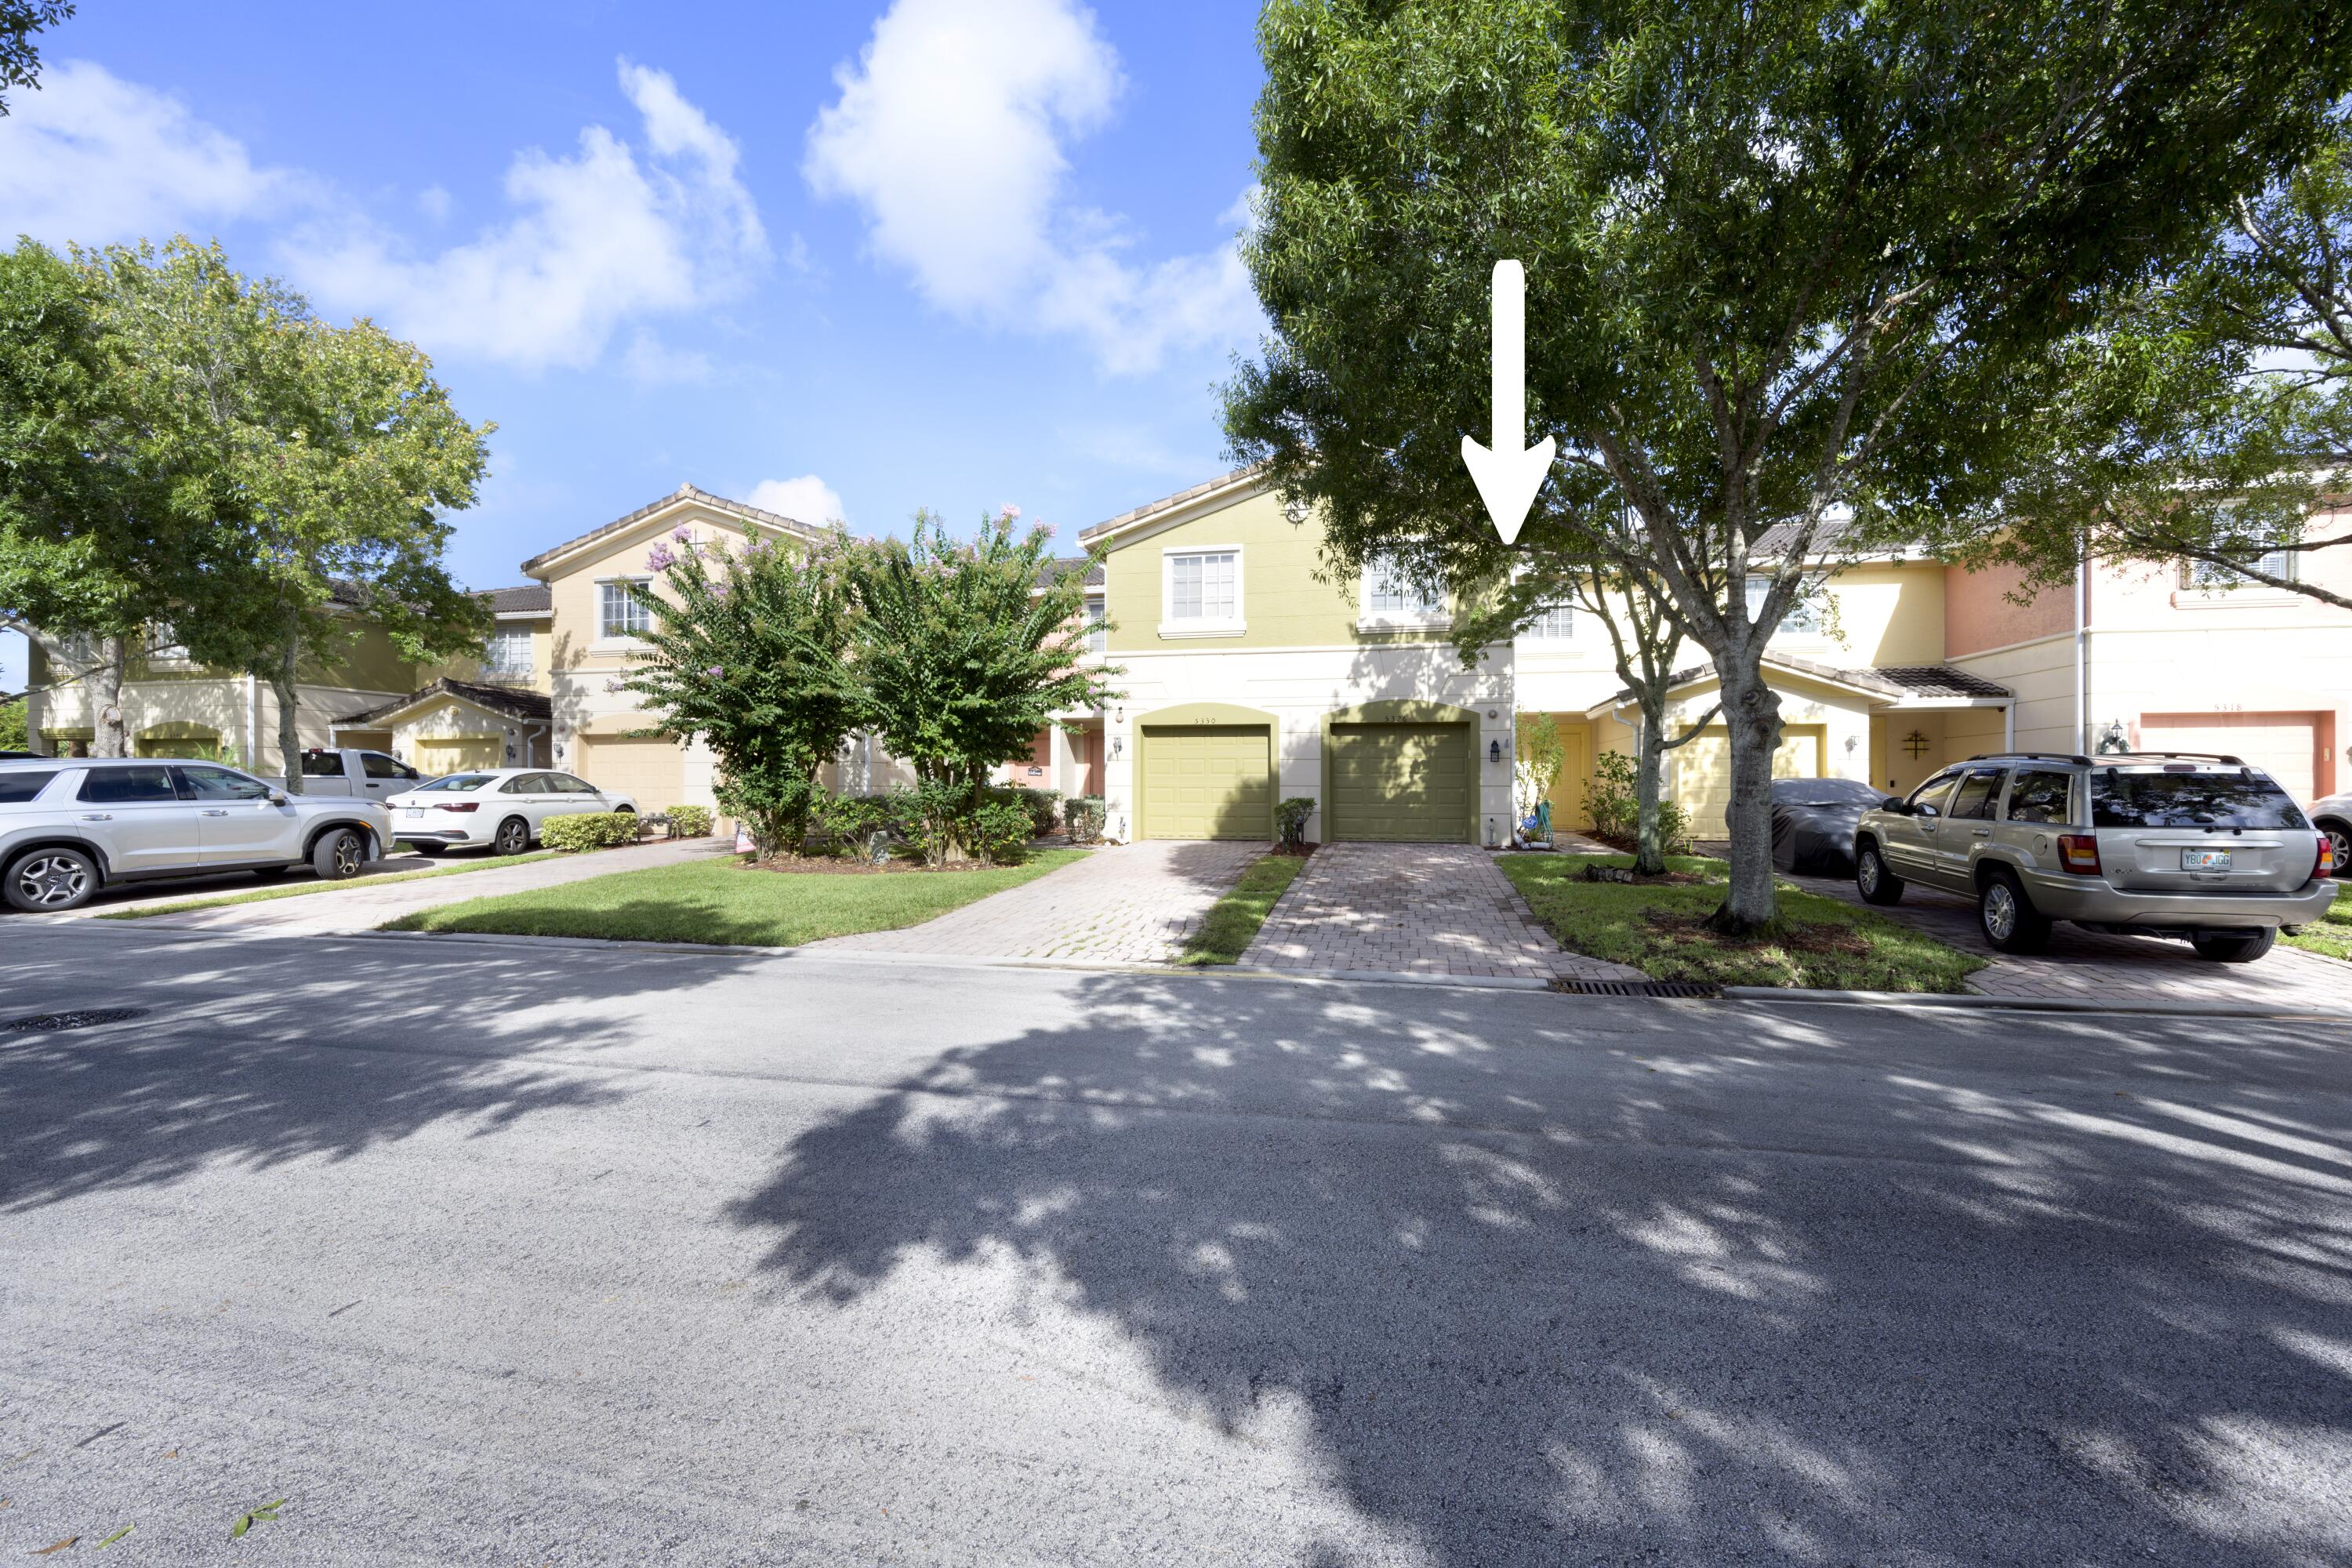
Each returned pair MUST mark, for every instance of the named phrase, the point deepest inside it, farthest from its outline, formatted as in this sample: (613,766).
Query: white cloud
(804,499)
(655,363)
(94,159)
(436,203)
(950,131)
(602,239)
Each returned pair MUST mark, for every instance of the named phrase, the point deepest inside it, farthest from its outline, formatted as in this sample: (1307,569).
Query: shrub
(1082,817)
(1044,808)
(1616,808)
(690,821)
(589,830)
(998,831)
(1290,819)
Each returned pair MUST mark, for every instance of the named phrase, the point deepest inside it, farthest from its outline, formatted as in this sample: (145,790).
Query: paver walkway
(365,905)
(1416,908)
(2094,967)
(1134,903)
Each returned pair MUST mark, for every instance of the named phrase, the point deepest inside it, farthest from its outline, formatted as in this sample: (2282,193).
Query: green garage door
(1401,784)
(1208,782)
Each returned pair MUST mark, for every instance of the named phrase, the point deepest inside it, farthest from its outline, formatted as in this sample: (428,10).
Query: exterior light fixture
(1118,746)
(1494,751)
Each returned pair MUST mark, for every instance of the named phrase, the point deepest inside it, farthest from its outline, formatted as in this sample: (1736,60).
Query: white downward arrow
(1508,475)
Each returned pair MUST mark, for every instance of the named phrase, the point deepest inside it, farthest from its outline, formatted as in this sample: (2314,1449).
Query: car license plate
(412,811)
(2204,859)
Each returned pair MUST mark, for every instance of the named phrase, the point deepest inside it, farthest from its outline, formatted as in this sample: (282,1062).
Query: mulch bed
(1795,937)
(1299,853)
(1627,875)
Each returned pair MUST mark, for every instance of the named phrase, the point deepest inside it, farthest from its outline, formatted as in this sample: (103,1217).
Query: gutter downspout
(2081,648)
(252,717)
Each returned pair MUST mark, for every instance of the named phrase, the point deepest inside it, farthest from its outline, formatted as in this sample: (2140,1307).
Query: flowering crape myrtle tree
(1793,267)
(746,647)
(965,651)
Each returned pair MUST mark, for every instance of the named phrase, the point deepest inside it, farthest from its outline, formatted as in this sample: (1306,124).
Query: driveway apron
(1135,903)
(1414,908)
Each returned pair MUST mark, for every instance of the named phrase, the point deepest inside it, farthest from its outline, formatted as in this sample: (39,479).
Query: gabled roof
(682,494)
(1054,568)
(1891,683)
(531,599)
(1128,520)
(513,702)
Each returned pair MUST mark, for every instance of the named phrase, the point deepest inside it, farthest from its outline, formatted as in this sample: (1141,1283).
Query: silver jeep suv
(69,826)
(2156,843)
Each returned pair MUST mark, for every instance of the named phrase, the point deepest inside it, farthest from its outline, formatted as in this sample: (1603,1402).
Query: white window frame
(1807,604)
(1538,631)
(500,634)
(1098,608)
(2203,580)
(604,634)
(1419,616)
(1201,626)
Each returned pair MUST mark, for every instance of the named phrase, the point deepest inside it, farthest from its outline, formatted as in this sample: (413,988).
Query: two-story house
(1250,677)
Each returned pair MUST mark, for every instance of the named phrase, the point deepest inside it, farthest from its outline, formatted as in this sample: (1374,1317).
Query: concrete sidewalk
(363,905)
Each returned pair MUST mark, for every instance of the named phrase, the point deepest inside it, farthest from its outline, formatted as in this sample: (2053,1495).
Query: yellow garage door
(2283,745)
(1703,772)
(1401,784)
(651,771)
(438,755)
(1208,781)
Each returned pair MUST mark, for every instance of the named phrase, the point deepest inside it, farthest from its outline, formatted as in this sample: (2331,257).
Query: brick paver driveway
(1134,903)
(2091,967)
(1417,908)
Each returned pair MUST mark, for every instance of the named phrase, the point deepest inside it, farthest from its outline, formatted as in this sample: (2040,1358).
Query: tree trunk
(109,736)
(1649,854)
(1751,712)
(290,714)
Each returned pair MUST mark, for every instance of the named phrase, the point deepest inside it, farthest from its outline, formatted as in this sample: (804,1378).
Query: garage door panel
(1703,774)
(1208,782)
(2283,745)
(1402,784)
(650,771)
(440,755)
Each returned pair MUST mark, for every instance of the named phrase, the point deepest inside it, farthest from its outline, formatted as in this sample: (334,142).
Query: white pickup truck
(363,776)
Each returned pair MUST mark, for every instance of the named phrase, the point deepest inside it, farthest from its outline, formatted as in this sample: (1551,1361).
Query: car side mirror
(280,797)
(1893,803)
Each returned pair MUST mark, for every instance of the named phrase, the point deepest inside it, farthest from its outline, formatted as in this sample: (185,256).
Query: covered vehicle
(1813,821)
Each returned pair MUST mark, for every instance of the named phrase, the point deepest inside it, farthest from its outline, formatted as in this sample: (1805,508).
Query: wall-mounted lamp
(1118,746)
(1494,751)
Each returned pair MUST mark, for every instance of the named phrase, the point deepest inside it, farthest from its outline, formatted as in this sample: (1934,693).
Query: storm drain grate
(88,1017)
(1640,988)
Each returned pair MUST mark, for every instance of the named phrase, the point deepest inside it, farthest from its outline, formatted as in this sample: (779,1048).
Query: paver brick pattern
(1417,908)
(2092,966)
(1133,903)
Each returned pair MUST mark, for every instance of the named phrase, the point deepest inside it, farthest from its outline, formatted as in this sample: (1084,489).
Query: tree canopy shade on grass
(726,902)
(1793,267)
(2206,416)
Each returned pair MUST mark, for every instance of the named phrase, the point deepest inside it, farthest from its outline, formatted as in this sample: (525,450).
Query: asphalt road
(485,1254)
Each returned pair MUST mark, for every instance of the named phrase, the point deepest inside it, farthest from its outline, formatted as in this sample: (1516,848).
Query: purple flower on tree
(682,533)
(660,559)
(1009,511)
(714,672)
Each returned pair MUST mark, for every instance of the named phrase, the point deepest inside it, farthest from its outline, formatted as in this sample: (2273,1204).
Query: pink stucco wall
(1979,615)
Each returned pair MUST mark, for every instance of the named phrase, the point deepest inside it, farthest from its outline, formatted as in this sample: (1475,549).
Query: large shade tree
(1793,267)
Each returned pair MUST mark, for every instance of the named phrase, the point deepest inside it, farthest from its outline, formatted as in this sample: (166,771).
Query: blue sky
(858,257)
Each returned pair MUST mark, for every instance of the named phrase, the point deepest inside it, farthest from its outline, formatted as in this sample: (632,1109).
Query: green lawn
(1819,942)
(299,889)
(730,902)
(2330,934)
(1234,919)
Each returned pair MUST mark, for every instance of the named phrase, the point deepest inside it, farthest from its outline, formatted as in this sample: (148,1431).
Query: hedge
(589,830)
(690,821)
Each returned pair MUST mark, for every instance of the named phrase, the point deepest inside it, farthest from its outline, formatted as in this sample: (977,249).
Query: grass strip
(727,901)
(303,890)
(1234,919)
(2330,935)
(1816,943)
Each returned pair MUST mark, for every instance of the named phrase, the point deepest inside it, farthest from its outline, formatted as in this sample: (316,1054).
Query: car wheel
(2233,947)
(2009,921)
(513,838)
(50,882)
(2339,836)
(339,854)
(430,850)
(1876,884)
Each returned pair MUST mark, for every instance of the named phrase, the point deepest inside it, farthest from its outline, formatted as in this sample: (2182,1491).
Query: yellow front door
(1568,808)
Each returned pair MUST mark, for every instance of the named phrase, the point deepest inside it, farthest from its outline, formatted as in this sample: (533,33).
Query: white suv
(69,826)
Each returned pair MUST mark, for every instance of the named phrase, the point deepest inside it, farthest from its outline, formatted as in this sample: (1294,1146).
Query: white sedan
(502,807)
(2333,816)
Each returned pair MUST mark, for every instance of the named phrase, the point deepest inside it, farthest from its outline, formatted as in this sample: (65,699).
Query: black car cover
(1813,822)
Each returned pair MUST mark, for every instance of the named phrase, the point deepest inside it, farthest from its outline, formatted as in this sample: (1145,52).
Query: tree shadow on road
(1681,1285)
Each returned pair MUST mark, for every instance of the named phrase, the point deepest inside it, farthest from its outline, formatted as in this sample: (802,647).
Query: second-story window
(1804,611)
(507,654)
(1098,639)
(1388,592)
(1553,623)
(1204,588)
(2208,577)
(619,614)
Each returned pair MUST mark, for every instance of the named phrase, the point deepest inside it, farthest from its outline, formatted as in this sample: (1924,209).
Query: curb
(2021,1003)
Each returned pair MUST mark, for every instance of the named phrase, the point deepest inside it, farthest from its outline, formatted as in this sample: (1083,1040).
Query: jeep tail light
(2079,853)
(477,805)
(2325,860)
